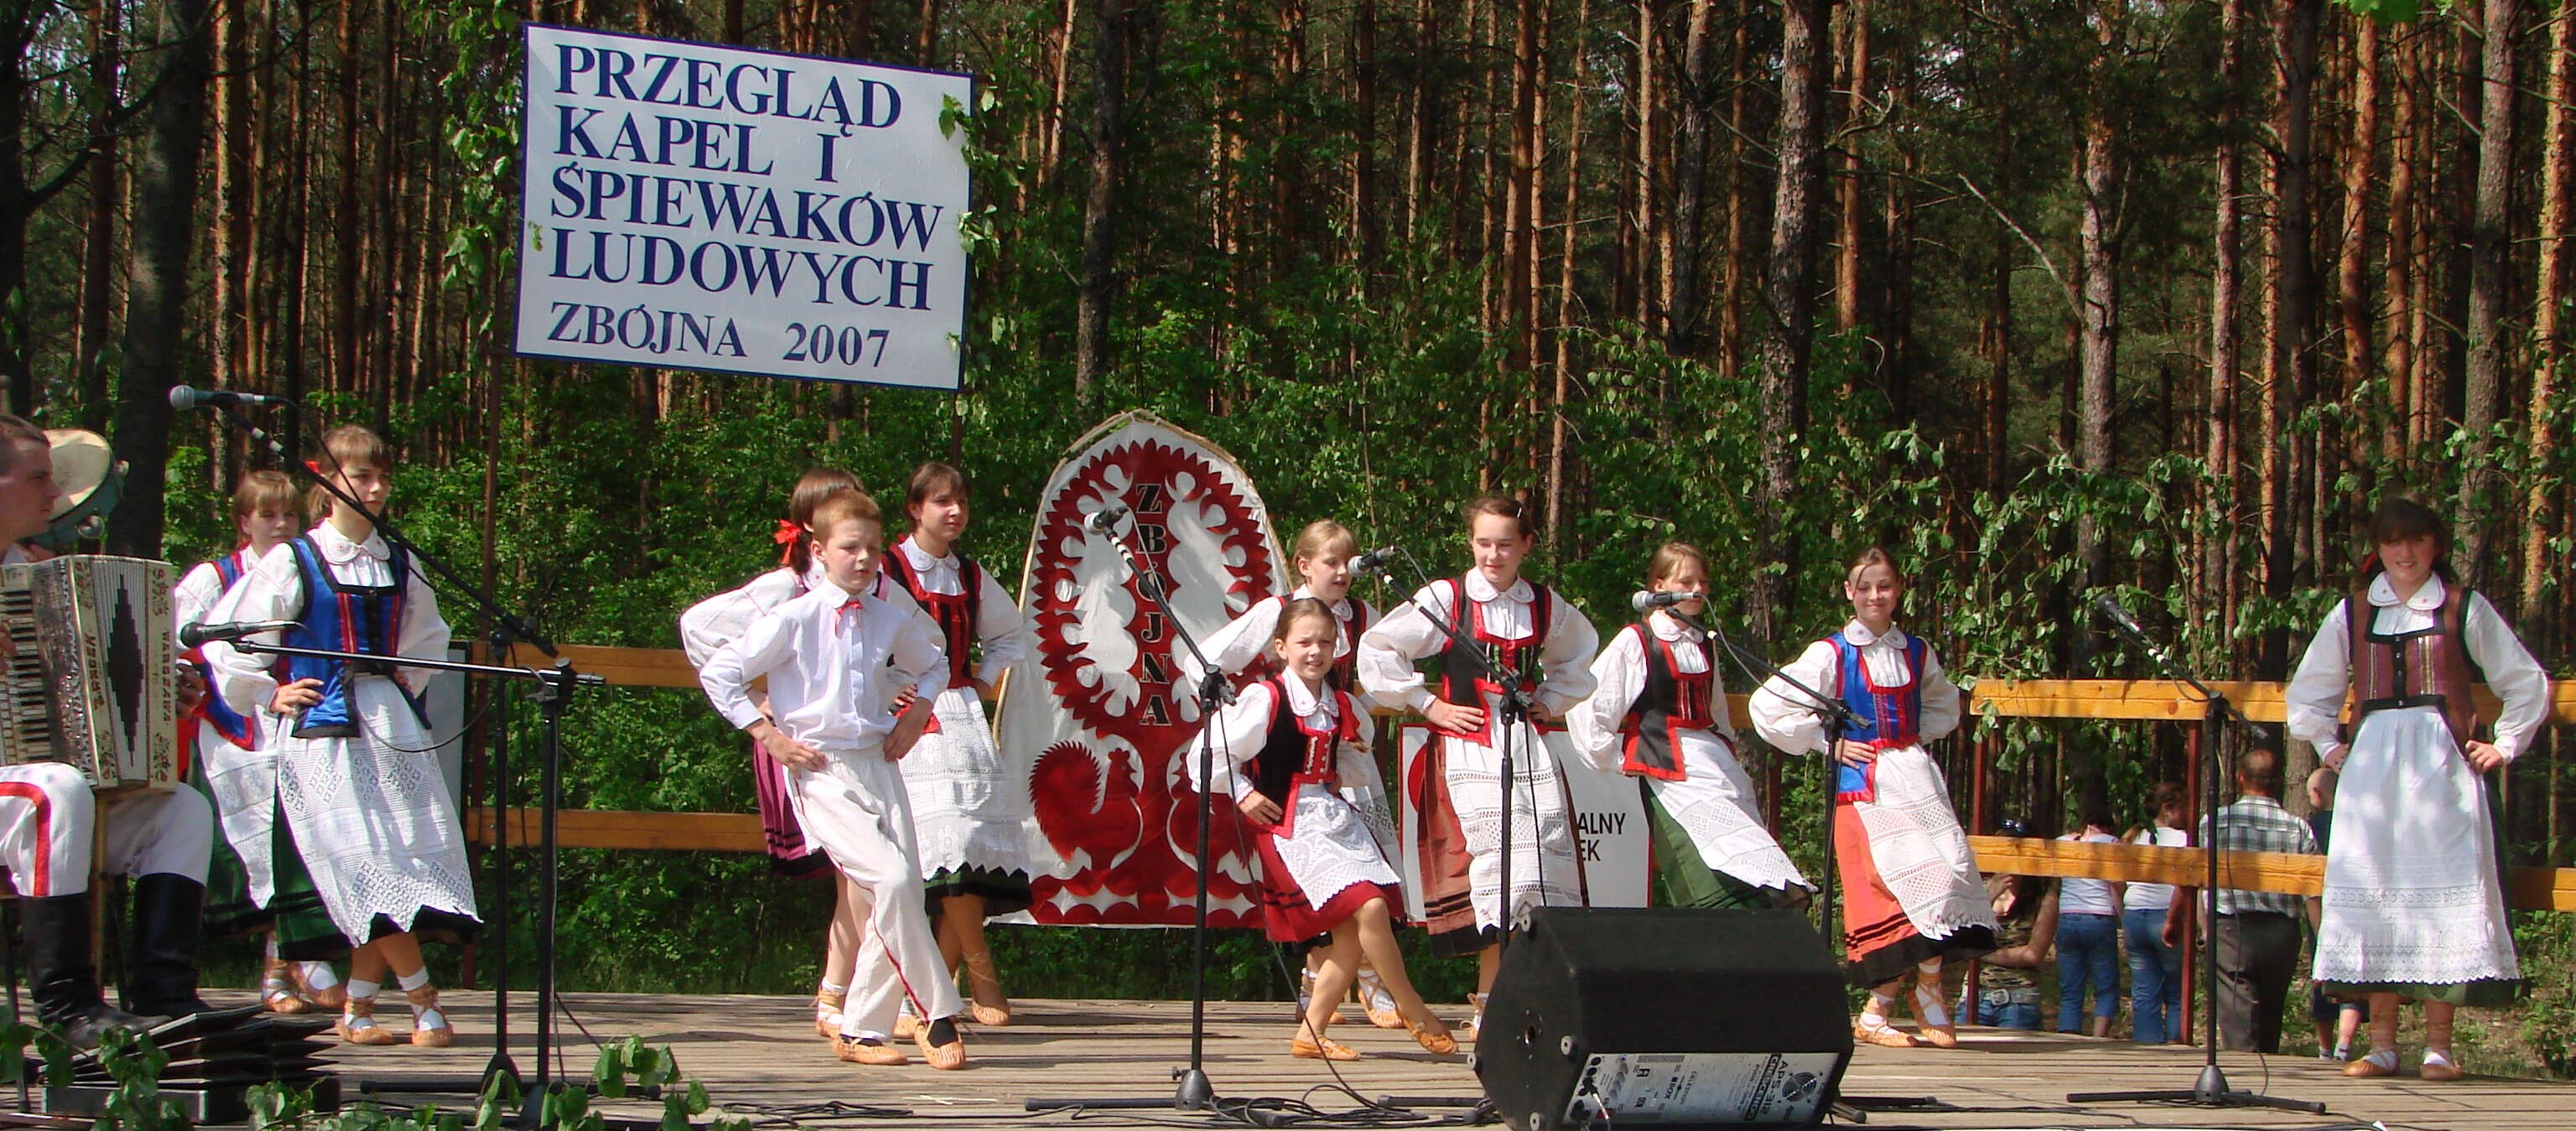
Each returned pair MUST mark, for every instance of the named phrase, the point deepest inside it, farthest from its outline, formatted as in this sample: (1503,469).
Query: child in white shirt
(851,682)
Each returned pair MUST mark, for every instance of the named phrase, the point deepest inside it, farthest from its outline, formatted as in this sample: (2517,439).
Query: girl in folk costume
(1544,646)
(970,805)
(1294,743)
(239,773)
(713,623)
(1913,898)
(1322,556)
(2413,904)
(365,812)
(1659,714)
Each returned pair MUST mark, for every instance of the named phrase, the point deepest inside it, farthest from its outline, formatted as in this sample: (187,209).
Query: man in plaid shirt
(2257,932)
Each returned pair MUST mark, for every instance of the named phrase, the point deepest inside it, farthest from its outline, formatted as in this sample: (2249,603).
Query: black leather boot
(169,912)
(60,975)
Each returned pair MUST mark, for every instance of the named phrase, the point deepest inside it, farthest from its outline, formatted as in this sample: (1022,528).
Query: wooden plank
(2141,700)
(2138,863)
(2148,700)
(627,829)
(762,1050)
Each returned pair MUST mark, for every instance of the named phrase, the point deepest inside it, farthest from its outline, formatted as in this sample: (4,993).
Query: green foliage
(16,1037)
(623,1066)
(135,1102)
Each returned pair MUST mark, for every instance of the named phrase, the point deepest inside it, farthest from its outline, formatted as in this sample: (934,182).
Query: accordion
(93,679)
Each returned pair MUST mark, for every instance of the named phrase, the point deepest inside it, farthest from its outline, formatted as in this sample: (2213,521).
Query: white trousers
(858,810)
(158,832)
(46,823)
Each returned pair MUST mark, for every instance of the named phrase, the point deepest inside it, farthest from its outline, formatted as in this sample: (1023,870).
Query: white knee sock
(360,991)
(422,1016)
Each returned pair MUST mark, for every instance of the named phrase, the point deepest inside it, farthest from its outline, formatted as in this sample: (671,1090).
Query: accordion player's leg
(47,820)
(162,839)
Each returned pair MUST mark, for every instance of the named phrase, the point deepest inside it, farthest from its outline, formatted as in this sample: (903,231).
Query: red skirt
(1287,917)
(790,854)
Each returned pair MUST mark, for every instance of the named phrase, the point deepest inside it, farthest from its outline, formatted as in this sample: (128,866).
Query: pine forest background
(2055,297)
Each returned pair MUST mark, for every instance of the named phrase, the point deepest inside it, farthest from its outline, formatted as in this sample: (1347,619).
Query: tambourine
(91,479)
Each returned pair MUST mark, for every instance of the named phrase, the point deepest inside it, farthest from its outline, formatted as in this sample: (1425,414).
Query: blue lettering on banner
(703,84)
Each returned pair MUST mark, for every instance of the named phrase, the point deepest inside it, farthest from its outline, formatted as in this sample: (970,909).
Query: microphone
(2120,619)
(185,397)
(1104,520)
(1644,601)
(200,635)
(1373,561)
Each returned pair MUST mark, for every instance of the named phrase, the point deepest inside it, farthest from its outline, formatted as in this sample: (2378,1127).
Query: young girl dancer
(366,811)
(1659,714)
(711,624)
(240,775)
(2413,905)
(1322,557)
(1292,742)
(1912,897)
(1545,646)
(970,806)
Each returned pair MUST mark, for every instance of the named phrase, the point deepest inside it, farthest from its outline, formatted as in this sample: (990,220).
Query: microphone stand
(553,696)
(2210,1089)
(1837,716)
(1192,1091)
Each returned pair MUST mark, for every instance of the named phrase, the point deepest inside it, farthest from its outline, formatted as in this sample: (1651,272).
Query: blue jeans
(2088,951)
(2155,977)
(2005,1009)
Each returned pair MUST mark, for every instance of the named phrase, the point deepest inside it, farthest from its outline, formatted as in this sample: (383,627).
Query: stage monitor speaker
(1676,1017)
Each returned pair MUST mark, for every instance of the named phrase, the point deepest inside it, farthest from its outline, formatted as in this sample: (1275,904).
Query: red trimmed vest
(1672,701)
(1462,674)
(1296,754)
(956,613)
(2426,668)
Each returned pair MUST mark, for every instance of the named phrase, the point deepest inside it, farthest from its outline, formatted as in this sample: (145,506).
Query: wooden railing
(2545,889)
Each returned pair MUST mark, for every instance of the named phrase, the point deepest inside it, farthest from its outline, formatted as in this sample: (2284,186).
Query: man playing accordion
(48,829)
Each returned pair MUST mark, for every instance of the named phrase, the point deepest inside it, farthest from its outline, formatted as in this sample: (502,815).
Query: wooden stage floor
(755,1051)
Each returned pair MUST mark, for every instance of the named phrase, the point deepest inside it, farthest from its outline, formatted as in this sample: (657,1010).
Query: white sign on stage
(692,206)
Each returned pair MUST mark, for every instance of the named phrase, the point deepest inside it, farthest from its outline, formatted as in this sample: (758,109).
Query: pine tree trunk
(1690,179)
(2407,147)
(98,242)
(2360,164)
(2293,315)
(2549,337)
(1111,38)
(165,217)
(1649,238)
(2098,243)
(1847,267)
(2220,576)
(1782,393)
(2480,506)
(347,254)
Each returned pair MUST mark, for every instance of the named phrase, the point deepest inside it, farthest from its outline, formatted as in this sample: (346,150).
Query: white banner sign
(691,206)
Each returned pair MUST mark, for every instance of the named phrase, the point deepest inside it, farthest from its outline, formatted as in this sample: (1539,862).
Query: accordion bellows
(93,676)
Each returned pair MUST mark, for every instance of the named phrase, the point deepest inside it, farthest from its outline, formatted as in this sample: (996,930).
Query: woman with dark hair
(2414,907)
(2146,914)
(2088,934)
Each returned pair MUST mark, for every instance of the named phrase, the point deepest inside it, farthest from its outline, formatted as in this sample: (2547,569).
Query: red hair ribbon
(787,535)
